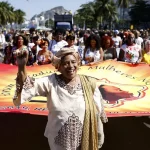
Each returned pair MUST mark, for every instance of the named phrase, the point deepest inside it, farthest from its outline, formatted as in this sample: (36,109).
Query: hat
(116,31)
(64,51)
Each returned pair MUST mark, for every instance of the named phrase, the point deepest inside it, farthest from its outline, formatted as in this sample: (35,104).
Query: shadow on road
(26,132)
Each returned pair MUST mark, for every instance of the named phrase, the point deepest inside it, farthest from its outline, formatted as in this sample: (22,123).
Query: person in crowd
(130,52)
(92,52)
(8,54)
(146,52)
(108,49)
(74,102)
(138,39)
(80,44)
(35,48)
(146,37)
(117,39)
(2,42)
(59,42)
(21,43)
(70,39)
(43,56)
(48,35)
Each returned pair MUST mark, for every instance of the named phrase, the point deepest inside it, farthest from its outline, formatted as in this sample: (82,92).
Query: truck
(63,22)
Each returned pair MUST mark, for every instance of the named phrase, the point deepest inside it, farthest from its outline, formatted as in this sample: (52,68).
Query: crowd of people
(75,103)
(131,46)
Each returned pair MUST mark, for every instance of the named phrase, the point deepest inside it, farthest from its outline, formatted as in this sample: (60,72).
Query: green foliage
(49,23)
(95,13)
(140,12)
(9,15)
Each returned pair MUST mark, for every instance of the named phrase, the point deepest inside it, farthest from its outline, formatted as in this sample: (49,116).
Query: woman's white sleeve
(31,87)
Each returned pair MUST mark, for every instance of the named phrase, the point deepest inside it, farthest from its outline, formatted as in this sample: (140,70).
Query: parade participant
(2,42)
(117,39)
(8,54)
(92,52)
(20,43)
(43,56)
(58,43)
(74,102)
(146,52)
(130,52)
(109,51)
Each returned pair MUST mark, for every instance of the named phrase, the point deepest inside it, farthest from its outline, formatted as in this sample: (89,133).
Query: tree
(139,12)
(19,16)
(84,15)
(98,12)
(107,11)
(8,14)
(49,23)
(123,4)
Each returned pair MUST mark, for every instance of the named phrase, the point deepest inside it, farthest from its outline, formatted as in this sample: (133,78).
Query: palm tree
(140,13)
(85,13)
(6,13)
(19,16)
(107,10)
(9,15)
(123,4)
(97,12)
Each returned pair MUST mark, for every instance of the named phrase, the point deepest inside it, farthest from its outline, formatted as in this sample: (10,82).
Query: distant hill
(49,14)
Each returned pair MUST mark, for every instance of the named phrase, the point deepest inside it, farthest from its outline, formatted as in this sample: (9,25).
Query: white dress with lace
(66,107)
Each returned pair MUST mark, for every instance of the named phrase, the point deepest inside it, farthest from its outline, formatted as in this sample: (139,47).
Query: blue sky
(32,7)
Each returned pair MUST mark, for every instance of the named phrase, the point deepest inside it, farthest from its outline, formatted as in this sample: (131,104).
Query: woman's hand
(21,57)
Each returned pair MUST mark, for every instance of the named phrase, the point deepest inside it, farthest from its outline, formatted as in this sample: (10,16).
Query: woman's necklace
(71,87)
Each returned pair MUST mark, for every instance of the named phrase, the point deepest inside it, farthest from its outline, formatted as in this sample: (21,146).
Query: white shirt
(139,41)
(2,41)
(56,47)
(116,40)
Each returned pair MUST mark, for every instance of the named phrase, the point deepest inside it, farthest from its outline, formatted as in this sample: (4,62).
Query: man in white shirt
(117,39)
(58,42)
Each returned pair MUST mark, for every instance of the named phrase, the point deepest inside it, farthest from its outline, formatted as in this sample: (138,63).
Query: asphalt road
(26,132)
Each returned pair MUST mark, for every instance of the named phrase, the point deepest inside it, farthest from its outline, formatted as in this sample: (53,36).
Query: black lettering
(90,68)
(111,68)
(107,67)
(41,73)
(40,109)
(118,72)
(35,75)
(101,67)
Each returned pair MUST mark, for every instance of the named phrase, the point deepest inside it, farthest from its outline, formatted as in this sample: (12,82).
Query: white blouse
(92,54)
(66,109)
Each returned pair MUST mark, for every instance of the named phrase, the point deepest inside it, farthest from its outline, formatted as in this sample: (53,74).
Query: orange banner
(124,87)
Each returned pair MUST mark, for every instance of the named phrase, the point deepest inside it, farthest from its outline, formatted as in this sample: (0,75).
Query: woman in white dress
(92,52)
(74,102)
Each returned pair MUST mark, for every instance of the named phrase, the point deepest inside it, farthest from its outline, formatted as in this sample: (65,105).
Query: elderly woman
(74,102)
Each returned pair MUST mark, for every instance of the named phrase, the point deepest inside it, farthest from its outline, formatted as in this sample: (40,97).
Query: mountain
(49,14)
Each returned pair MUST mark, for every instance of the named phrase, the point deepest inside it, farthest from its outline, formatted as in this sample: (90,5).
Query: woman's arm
(101,54)
(140,57)
(85,49)
(121,55)
(114,53)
